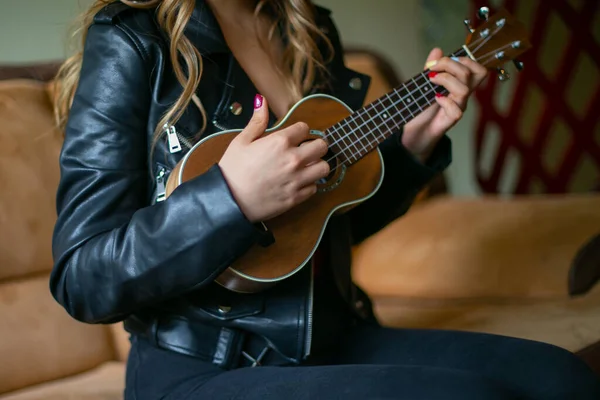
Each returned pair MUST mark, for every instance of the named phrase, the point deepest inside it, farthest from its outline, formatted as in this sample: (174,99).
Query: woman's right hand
(271,174)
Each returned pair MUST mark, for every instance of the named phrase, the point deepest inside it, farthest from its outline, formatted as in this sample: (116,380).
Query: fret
(432,89)
(368,123)
(367,142)
(390,110)
(347,142)
(372,125)
(340,143)
(419,96)
(428,92)
(358,134)
(410,103)
(383,117)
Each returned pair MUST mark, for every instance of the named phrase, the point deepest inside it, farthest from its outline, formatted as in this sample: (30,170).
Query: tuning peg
(467,23)
(483,13)
(503,76)
(519,65)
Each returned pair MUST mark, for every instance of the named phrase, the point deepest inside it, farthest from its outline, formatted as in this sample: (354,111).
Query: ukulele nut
(236,108)
(355,83)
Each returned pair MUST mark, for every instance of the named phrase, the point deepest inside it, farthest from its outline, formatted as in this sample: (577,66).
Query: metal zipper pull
(161,191)
(174,145)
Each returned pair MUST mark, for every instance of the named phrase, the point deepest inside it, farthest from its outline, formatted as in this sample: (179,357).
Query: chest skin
(247,36)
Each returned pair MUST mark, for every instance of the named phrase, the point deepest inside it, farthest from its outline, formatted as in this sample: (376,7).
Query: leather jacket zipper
(161,185)
(175,139)
(219,126)
(161,176)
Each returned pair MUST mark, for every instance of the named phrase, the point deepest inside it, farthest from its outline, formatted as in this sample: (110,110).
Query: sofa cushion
(103,383)
(29,173)
(40,341)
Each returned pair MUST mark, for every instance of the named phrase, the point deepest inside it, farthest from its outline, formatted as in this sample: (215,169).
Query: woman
(156,76)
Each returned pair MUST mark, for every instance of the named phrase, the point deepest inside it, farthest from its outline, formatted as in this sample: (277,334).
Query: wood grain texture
(297,232)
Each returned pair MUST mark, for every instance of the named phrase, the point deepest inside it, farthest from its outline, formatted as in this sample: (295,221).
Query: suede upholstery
(39,342)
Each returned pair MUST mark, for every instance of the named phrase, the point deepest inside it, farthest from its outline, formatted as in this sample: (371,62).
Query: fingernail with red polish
(439,95)
(258,101)
(432,74)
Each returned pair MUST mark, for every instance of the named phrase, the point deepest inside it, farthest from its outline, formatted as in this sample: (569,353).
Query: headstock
(499,39)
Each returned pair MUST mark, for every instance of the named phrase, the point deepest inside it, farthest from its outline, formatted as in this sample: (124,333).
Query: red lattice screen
(541,133)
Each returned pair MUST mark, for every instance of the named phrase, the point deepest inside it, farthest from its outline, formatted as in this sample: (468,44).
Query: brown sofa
(490,265)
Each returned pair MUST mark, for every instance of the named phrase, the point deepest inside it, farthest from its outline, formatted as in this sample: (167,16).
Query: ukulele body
(297,232)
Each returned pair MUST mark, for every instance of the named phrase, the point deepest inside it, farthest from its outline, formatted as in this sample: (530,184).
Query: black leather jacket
(122,254)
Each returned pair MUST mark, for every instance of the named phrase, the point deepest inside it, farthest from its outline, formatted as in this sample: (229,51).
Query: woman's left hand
(460,78)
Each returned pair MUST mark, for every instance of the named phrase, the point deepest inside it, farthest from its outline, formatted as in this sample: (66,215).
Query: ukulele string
(486,39)
(404,107)
(396,125)
(492,54)
(480,42)
(474,43)
(364,109)
(411,93)
(387,109)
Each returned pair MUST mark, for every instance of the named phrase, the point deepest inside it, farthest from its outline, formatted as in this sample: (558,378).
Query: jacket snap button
(224,309)
(355,83)
(235,108)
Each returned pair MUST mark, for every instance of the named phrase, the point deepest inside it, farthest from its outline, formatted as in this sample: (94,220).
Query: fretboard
(362,131)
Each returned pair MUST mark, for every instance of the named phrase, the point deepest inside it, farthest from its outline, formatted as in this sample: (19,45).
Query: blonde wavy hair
(302,63)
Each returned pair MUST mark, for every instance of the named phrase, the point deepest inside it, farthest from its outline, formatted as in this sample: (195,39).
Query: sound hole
(336,171)
(333,163)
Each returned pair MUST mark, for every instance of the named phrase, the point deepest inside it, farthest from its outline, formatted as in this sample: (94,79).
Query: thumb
(434,55)
(259,121)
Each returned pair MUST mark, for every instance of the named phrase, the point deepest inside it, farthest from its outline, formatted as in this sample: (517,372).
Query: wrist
(419,149)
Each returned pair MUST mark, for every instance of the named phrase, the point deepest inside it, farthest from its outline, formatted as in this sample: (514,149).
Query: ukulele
(356,164)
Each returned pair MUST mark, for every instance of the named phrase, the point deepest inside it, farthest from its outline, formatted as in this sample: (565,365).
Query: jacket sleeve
(113,252)
(404,177)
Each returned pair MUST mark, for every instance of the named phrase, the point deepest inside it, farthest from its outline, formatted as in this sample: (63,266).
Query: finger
(460,71)
(295,133)
(258,123)
(305,193)
(459,91)
(479,72)
(313,173)
(452,111)
(434,55)
(312,150)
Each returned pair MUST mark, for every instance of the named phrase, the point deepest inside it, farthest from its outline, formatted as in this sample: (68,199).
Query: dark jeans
(377,363)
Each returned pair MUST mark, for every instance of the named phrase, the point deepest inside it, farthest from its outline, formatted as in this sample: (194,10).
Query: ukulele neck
(361,132)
